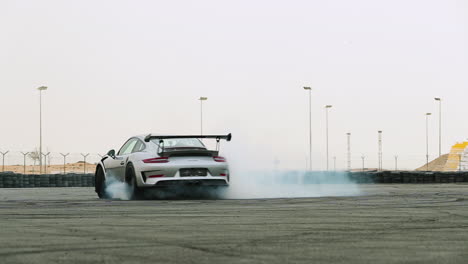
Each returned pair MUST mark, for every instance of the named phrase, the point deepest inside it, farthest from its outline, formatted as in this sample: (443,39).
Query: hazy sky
(119,68)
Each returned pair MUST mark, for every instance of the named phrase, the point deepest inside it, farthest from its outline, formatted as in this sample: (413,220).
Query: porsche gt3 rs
(163,161)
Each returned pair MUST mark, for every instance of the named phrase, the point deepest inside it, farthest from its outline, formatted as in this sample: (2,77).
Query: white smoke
(289,184)
(116,189)
(254,174)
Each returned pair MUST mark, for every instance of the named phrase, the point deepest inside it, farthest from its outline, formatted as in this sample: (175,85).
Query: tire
(100,183)
(136,193)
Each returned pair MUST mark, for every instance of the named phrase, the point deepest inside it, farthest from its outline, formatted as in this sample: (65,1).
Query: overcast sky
(119,68)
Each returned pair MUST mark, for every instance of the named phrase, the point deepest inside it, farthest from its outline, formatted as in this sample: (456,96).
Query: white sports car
(161,162)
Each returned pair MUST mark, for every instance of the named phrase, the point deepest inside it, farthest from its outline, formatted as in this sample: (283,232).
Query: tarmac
(398,223)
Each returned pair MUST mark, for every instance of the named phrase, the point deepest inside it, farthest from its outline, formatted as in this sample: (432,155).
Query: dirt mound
(435,165)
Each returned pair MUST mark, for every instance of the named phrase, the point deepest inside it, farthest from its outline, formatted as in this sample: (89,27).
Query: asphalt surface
(387,224)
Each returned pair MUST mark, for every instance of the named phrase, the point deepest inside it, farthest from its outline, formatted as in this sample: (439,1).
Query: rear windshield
(181,143)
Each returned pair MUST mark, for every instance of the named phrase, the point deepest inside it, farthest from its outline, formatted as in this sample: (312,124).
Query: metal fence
(52,162)
(60,163)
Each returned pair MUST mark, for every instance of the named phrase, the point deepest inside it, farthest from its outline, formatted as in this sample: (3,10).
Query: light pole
(396,163)
(440,124)
(310,126)
(42,88)
(201,113)
(427,140)
(327,107)
(349,150)
(334,163)
(380,150)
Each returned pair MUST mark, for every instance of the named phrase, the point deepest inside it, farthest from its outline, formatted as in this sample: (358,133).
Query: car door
(115,167)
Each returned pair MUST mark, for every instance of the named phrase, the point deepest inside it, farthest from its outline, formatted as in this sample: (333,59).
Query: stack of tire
(12,180)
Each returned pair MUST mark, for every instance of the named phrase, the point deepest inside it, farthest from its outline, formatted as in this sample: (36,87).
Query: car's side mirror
(111,153)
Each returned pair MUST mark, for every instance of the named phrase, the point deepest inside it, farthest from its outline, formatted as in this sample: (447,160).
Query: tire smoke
(116,189)
(255,175)
(290,184)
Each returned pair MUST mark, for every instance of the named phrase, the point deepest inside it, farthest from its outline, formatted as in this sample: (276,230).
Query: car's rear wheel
(136,193)
(100,183)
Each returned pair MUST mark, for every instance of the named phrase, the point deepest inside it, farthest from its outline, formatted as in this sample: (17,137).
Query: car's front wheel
(136,193)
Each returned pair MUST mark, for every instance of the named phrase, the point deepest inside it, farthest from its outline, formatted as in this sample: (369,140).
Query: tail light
(223,174)
(157,176)
(157,160)
(219,159)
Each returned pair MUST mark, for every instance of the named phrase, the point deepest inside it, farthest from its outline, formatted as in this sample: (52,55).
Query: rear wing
(217,137)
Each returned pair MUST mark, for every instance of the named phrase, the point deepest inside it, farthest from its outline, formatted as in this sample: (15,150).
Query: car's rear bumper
(203,182)
(186,181)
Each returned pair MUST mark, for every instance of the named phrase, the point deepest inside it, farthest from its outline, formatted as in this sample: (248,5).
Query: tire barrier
(408,177)
(13,180)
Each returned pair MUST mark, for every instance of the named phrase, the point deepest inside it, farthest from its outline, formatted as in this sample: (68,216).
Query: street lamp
(310,127)
(427,140)
(42,88)
(380,150)
(201,113)
(396,163)
(327,107)
(440,124)
(348,136)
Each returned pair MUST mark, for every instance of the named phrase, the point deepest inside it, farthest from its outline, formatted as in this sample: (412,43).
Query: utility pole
(327,107)
(396,163)
(24,161)
(427,140)
(201,113)
(64,162)
(380,150)
(84,156)
(42,88)
(310,126)
(3,158)
(440,124)
(349,151)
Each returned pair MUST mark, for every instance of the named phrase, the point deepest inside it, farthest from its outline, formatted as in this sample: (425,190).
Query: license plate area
(193,172)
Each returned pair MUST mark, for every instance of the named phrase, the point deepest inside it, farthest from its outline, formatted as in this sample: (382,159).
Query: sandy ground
(53,169)
(389,224)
